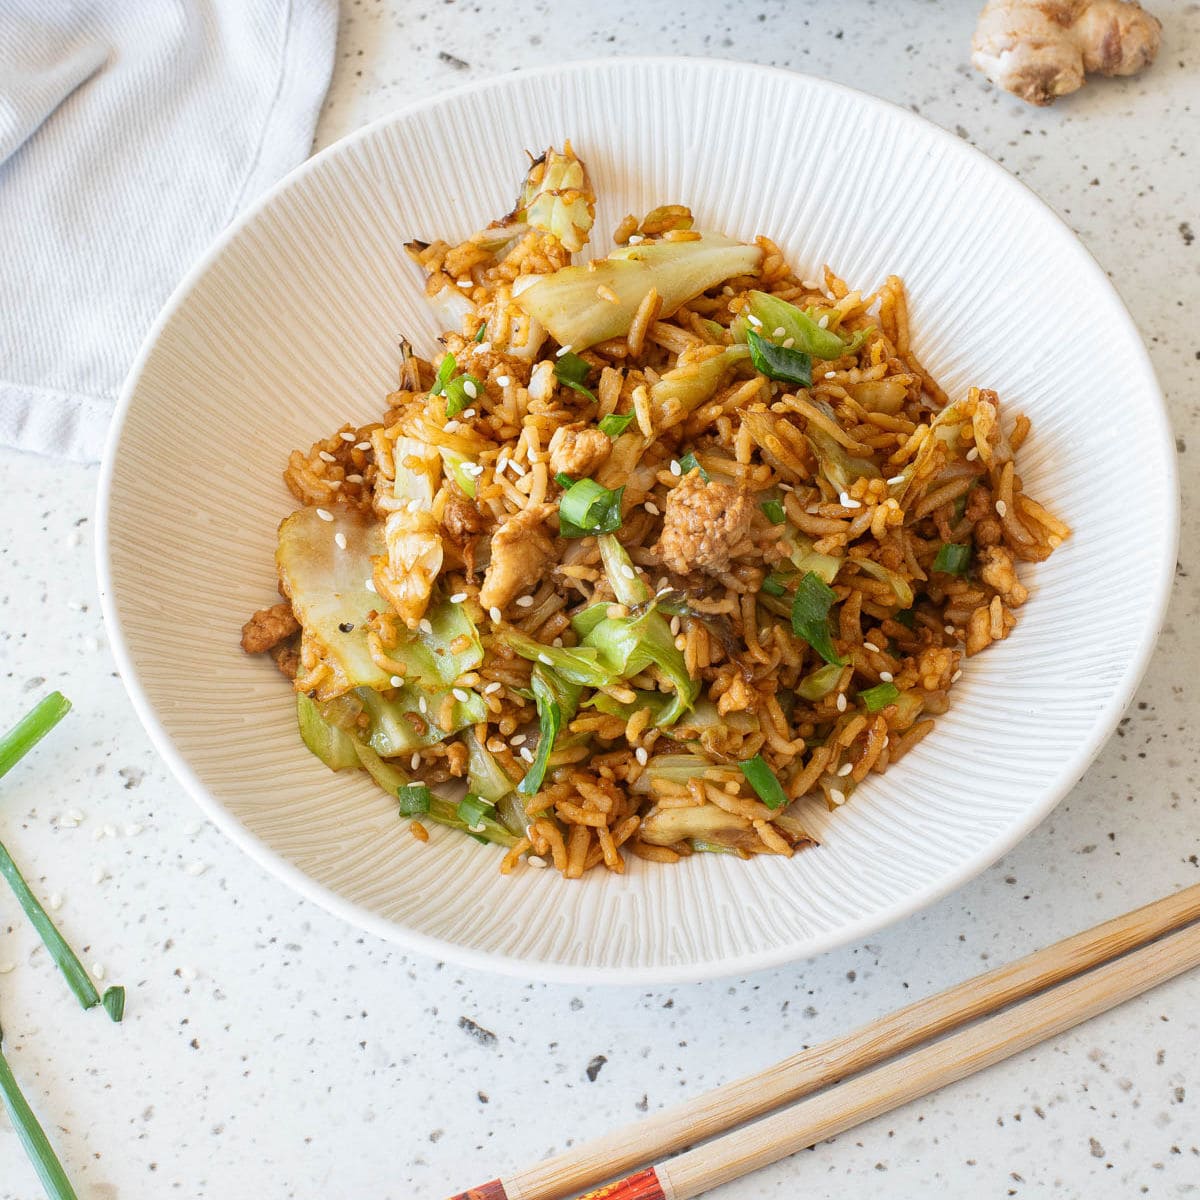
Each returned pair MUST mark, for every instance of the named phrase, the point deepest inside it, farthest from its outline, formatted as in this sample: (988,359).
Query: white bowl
(289,326)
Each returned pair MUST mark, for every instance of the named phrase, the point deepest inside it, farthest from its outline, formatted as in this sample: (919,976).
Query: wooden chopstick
(742,1100)
(916,1074)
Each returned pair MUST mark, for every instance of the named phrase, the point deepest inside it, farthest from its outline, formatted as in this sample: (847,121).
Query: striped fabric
(130,134)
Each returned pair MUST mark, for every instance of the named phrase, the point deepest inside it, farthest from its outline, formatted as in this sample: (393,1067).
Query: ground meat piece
(286,656)
(522,549)
(268,627)
(996,570)
(462,520)
(935,666)
(578,451)
(705,525)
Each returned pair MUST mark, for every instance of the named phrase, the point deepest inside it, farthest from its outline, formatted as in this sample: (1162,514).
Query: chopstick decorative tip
(485,1191)
(645,1185)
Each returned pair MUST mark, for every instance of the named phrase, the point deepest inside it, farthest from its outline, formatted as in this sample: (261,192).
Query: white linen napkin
(131,132)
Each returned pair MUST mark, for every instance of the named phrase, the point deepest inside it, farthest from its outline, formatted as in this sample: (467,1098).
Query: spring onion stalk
(31,728)
(615,424)
(810,616)
(779,362)
(879,697)
(900,586)
(586,509)
(627,585)
(689,463)
(952,558)
(762,779)
(77,978)
(774,584)
(801,327)
(773,510)
(114,1003)
(571,370)
(557,700)
(444,372)
(694,380)
(460,396)
(31,1135)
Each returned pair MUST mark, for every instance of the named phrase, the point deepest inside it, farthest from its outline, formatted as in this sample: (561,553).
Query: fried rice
(656,550)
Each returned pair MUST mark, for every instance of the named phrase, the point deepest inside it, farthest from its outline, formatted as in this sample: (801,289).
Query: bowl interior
(290,327)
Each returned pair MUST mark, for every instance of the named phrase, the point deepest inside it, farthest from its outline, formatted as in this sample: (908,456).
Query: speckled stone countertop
(270,1051)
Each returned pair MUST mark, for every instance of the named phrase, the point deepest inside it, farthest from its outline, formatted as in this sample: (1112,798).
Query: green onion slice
(572,370)
(480,332)
(564,480)
(414,799)
(472,809)
(810,616)
(952,558)
(779,362)
(879,696)
(586,508)
(774,511)
(689,463)
(774,585)
(762,779)
(444,372)
(114,1003)
(615,424)
(820,683)
(461,394)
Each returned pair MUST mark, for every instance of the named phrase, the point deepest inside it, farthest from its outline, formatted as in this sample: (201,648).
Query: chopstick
(726,1107)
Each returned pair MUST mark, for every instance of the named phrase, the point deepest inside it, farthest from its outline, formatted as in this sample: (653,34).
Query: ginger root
(1041,49)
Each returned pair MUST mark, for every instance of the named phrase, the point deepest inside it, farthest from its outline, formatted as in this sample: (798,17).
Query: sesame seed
(675,626)
(496,615)
(492,687)
(1001,508)
(524,601)
(948,628)
(465,284)
(98,970)
(870,646)
(847,501)
(895,479)
(536,860)
(676,469)
(516,466)
(502,381)
(469,414)
(545,660)
(830,374)
(841,702)
(472,469)
(779,331)
(369,584)
(557,642)
(325,456)
(972,454)
(651,508)
(956,676)
(886,676)
(642,755)
(458,597)
(637,238)
(845,769)
(340,539)
(397,681)
(415,761)
(824,321)
(477,828)
(422,704)
(561,351)
(425,625)
(527,754)
(362,445)
(354,479)
(516,741)
(887,741)
(324,514)
(196,869)
(347,436)
(837,796)
(788,343)
(470,388)
(460,695)
(627,571)
(56,901)
(754,320)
